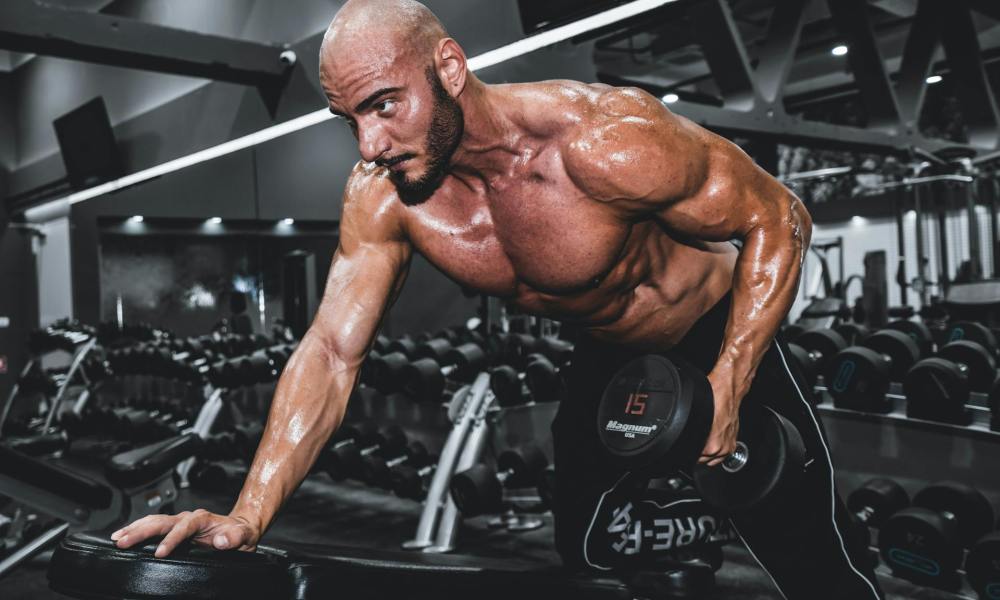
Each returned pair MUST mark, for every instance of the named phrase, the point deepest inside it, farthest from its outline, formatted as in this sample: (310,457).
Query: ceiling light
(671,98)
(214,221)
(287,221)
(136,219)
(839,50)
(934,79)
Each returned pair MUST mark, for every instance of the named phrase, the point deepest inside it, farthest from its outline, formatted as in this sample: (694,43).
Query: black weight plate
(775,458)
(806,362)
(899,347)
(935,389)
(920,333)
(542,378)
(920,545)
(506,386)
(877,500)
(826,342)
(982,566)
(469,360)
(982,367)
(973,332)
(858,379)
(792,332)
(853,333)
(973,512)
(387,371)
(524,462)
(655,414)
(403,345)
(477,491)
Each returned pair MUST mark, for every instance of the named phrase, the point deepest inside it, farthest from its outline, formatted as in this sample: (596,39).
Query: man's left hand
(726,424)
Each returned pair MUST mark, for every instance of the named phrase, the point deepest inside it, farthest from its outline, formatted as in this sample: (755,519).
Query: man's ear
(451,66)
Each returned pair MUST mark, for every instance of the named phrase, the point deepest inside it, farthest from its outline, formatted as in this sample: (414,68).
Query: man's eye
(385,105)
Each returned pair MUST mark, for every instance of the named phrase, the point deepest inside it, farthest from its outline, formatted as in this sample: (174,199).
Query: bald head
(397,27)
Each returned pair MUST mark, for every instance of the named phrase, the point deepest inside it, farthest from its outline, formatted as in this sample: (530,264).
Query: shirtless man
(581,202)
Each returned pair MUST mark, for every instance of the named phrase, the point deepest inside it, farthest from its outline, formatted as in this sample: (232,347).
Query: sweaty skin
(585,203)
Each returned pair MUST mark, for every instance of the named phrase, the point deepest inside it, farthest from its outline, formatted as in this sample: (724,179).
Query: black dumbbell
(411,482)
(405,345)
(377,470)
(540,377)
(424,379)
(917,330)
(982,566)
(924,543)
(937,388)
(877,500)
(479,490)
(792,331)
(858,377)
(813,349)
(655,415)
(345,458)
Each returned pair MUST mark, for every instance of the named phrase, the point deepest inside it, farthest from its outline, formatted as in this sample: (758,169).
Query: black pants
(605,522)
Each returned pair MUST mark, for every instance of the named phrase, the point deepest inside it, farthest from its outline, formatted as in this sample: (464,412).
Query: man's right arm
(310,400)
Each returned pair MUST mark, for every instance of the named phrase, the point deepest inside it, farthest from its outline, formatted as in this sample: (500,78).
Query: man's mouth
(394,164)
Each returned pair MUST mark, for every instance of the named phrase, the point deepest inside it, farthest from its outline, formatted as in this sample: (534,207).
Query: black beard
(447,126)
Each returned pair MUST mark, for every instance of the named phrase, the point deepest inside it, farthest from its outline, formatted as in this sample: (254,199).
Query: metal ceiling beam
(777,53)
(853,22)
(961,47)
(30,26)
(773,122)
(725,53)
(916,63)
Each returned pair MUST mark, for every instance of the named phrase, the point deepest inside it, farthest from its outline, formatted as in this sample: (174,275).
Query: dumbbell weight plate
(853,333)
(423,380)
(655,415)
(526,463)
(826,342)
(477,491)
(920,333)
(973,512)
(973,332)
(543,379)
(506,386)
(982,566)
(981,364)
(880,498)
(936,390)
(773,455)
(858,379)
(899,347)
(921,545)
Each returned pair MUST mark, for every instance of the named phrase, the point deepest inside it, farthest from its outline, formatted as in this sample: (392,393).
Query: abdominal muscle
(650,298)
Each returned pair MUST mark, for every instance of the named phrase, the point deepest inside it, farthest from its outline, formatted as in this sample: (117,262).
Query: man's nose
(372,144)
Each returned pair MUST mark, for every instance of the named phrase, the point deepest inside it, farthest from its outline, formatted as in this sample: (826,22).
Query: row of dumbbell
(937,387)
(64,335)
(423,370)
(927,541)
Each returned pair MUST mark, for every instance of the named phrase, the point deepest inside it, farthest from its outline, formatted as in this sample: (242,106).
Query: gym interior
(173,179)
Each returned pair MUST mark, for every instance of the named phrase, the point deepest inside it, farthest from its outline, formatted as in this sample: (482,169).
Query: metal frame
(30,26)
(753,99)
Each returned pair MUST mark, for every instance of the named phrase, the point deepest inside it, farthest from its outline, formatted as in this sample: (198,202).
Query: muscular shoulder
(628,146)
(371,210)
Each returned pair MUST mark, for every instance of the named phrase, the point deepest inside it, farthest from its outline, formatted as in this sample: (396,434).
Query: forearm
(765,281)
(309,404)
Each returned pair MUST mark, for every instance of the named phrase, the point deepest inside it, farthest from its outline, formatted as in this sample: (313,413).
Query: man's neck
(490,138)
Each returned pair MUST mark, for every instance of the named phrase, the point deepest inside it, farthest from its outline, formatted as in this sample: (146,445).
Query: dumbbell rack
(438,525)
(979,428)
(78,357)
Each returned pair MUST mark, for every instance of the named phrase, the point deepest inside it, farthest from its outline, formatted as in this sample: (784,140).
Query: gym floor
(352,514)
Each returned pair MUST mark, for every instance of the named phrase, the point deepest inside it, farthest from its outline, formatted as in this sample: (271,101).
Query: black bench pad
(142,465)
(90,566)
